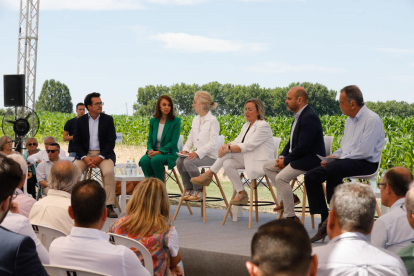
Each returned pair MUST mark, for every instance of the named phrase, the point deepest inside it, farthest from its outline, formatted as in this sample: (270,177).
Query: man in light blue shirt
(359,154)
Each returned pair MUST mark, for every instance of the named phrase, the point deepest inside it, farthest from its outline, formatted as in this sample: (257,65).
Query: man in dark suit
(18,254)
(299,154)
(94,143)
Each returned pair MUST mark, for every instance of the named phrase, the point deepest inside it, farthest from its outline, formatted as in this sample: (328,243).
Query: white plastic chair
(56,270)
(134,245)
(47,234)
(253,187)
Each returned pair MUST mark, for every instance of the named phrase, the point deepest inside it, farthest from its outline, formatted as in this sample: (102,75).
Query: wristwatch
(229,148)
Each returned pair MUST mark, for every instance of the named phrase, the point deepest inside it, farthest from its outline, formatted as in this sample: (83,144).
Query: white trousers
(231,162)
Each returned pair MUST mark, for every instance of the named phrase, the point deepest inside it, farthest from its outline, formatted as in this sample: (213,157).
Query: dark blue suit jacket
(18,255)
(307,141)
(106,136)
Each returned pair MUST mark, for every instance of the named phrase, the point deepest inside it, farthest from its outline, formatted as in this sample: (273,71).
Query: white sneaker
(196,196)
(187,194)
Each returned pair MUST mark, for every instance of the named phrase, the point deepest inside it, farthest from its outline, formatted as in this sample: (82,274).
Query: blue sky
(116,46)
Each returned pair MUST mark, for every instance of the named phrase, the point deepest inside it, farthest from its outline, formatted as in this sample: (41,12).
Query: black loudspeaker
(14,90)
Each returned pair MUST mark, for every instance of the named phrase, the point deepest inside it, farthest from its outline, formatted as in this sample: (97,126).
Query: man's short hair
(354,205)
(399,179)
(10,177)
(79,105)
(55,145)
(20,160)
(282,246)
(47,138)
(353,93)
(88,98)
(63,176)
(88,202)
(409,199)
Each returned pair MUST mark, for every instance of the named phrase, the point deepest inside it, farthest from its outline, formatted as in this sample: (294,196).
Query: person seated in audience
(31,145)
(282,247)
(250,151)
(87,247)
(392,230)
(43,169)
(203,138)
(359,154)
(52,210)
(18,254)
(407,253)
(24,201)
(6,146)
(148,221)
(42,155)
(164,132)
(348,252)
(300,152)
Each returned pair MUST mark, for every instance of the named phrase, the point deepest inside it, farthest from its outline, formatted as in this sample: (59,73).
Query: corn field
(398,152)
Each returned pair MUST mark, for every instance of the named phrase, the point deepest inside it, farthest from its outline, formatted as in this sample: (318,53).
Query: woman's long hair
(158,112)
(148,211)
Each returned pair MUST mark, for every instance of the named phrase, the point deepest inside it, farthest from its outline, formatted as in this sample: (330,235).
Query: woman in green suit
(164,132)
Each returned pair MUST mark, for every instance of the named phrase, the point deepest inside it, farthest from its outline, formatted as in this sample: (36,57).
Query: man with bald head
(299,154)
(407,253)
(392,231)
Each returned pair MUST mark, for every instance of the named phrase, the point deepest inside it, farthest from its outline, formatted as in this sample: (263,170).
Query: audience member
(163,135)
(359,154)
(392,230)
(31,145)
(282,247)
(299,154)
(148,221)
(43,154)
(350,219)
(6,146)
(43,169)
(87,247)
(69,128)
(24,201)
(203,138)
(250,150)
(407,253)
(18,254)
(94,143)
(52,210)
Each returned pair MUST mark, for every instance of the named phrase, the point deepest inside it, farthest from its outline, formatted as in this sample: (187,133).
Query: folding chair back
(328,144)
(180,143)
(47,234)
(276,142)
(57,270)
(134,246)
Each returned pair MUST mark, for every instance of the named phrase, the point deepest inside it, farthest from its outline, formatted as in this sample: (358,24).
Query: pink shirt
(25,202)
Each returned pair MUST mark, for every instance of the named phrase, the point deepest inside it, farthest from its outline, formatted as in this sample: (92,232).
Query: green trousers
(153,167)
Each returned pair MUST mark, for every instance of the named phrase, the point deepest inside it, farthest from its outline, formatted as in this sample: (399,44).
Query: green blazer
(169,138)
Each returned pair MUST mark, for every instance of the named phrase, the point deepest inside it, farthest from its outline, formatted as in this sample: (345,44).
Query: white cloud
(412,63)
(176,2)
(198,44)
(280,67)
(405,78)
(398,51)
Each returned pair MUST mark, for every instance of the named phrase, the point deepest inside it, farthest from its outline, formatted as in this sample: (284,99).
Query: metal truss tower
(27,55)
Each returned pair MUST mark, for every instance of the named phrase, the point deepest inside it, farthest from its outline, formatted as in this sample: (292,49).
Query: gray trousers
(189,169)
(231,162)
(281,180)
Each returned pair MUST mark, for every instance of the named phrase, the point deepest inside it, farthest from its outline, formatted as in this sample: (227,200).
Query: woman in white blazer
(250,150)
(203,139)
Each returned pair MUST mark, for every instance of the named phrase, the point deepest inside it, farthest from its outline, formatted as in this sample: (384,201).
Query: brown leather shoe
(295,218)
(111,212)
(296,201)
(322,233)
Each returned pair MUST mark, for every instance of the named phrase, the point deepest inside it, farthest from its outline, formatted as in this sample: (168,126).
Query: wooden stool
(175,178)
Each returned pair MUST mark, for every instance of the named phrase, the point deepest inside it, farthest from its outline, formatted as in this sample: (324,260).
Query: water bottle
(128,168)
(134,167)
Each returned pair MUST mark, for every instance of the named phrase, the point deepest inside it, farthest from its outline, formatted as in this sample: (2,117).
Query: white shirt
(52,211)
(42,156)
(43,170)
(93,135)
(90,249)
(173,243)
(392,230)
(20,224)
(25,202)
(204,136)
(295,120)
(351,254)
(363,138)
(159,136)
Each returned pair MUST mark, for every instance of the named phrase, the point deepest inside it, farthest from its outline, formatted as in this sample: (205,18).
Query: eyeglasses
(32,144)
(47,144)
(380,184)
(98,104)
(52,151)
(9,142)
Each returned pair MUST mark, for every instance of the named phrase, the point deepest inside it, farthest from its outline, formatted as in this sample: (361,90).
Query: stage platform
(214,249)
